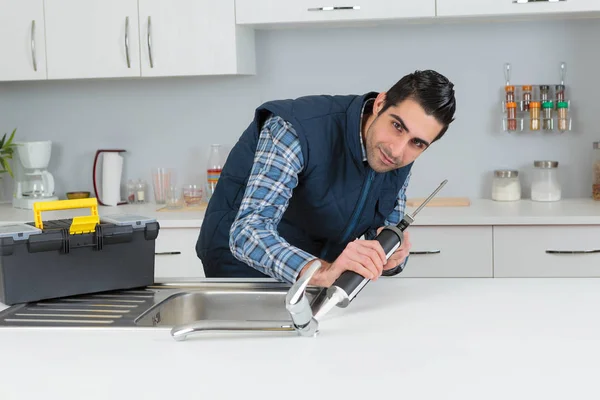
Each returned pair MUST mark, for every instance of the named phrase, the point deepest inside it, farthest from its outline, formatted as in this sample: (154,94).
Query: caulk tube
(349,284)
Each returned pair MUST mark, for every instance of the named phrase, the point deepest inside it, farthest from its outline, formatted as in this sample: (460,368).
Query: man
(310,176)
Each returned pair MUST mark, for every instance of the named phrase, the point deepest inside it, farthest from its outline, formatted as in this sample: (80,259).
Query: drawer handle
(572,251)
(167,253)
(536,1)
(33,57)
(127,42)
(425,252)
(334,8)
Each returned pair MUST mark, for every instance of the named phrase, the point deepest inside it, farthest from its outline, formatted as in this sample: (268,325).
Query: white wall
(171,122)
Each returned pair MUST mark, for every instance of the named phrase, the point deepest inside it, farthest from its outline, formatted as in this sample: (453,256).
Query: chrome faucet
(297,304)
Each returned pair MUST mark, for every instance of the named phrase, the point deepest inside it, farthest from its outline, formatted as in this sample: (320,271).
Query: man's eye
(397,126)
(418,143)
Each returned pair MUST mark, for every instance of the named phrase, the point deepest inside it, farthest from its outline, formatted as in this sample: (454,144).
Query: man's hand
(400,254)
(365,257)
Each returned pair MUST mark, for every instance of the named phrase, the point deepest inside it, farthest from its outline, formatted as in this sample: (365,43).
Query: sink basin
(220,303)
(163,305)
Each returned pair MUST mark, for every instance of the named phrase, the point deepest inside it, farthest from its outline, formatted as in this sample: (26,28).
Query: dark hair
(433,91)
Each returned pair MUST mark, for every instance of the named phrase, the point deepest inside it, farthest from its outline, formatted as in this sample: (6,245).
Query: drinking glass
(162,180)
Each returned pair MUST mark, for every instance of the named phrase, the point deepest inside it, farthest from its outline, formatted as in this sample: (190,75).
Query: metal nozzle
(427,200)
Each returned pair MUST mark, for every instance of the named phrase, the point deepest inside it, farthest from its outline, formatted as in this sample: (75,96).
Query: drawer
(297,11)
(449,251)
(185,264)
(547,251)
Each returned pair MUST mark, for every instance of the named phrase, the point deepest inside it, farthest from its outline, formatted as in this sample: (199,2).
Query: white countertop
(401,338)
(480,212)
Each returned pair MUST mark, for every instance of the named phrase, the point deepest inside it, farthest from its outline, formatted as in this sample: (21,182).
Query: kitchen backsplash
(171,122)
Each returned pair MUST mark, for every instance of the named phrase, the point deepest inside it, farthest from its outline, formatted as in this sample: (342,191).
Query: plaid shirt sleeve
(253,237)
(393,219)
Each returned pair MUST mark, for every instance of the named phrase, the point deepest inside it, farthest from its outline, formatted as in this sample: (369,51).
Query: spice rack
(536,108)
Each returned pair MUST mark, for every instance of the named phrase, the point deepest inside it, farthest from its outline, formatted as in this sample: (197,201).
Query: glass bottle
(596,172)
(563,123)
(511,115)
(140,191)
(534,116)
(547,123)
(214,167)
(130,191)
(526,97)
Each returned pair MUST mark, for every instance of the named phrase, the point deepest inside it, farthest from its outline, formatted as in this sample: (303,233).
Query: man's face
(399,135)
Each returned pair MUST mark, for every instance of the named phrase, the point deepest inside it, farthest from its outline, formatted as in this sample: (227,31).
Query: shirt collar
(367,107)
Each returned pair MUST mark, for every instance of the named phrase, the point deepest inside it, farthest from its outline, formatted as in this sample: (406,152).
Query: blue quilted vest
(338,198)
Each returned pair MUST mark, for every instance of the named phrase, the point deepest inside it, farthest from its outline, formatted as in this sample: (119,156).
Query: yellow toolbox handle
(84,224)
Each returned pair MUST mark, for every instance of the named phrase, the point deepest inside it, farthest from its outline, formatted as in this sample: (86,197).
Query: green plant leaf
(12,136)
(2,141)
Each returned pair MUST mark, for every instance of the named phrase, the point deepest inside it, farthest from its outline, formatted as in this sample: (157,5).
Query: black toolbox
(51,259)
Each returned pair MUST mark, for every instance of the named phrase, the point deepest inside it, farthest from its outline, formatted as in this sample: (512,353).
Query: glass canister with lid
(545,185)
(506,185)
(596,172)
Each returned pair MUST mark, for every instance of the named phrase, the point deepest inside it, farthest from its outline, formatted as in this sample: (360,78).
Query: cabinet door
(22,42)
(92,38)
(547,251)
(193,37)
(176,254)
(449,252)
(507,7)
(257,12)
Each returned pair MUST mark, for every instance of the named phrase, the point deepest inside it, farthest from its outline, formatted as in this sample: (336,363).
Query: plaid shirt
(253,236)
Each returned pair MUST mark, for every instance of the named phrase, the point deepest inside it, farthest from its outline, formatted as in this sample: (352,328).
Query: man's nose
(397,148)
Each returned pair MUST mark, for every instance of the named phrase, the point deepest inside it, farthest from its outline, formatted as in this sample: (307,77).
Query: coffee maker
(33,182)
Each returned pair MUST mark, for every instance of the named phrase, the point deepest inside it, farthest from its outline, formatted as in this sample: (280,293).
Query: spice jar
(560,93)
(544,93)
(526,97)
(534,115)
(510,93)
(506,186)
(547,123)
(511,115)
(596,172)
(562,116)
(545,185)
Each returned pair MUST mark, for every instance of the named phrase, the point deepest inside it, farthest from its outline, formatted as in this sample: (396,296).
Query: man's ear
(379,102)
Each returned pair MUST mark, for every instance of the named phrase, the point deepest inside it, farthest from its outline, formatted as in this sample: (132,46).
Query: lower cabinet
(176,254)
(547,251)
(445,252)
(449,251)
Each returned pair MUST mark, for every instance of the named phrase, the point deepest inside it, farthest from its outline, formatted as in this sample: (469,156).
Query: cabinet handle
(572,251)
(150,42)
(334,8)
(425,252)
(33,46)
(536,1)
(127,41)
(167,253)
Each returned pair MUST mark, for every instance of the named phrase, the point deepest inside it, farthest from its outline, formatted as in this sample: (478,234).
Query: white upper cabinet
(193,37)
(92,38)
(22,43)
(256,12)
(455,8)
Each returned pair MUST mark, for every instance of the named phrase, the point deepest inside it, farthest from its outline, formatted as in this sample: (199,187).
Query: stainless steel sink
(163,305)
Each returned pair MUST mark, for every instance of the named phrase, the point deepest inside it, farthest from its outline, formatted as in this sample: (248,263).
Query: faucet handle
(298,305)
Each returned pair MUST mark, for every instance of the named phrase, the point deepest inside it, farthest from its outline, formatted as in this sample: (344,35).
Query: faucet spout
(298,305)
